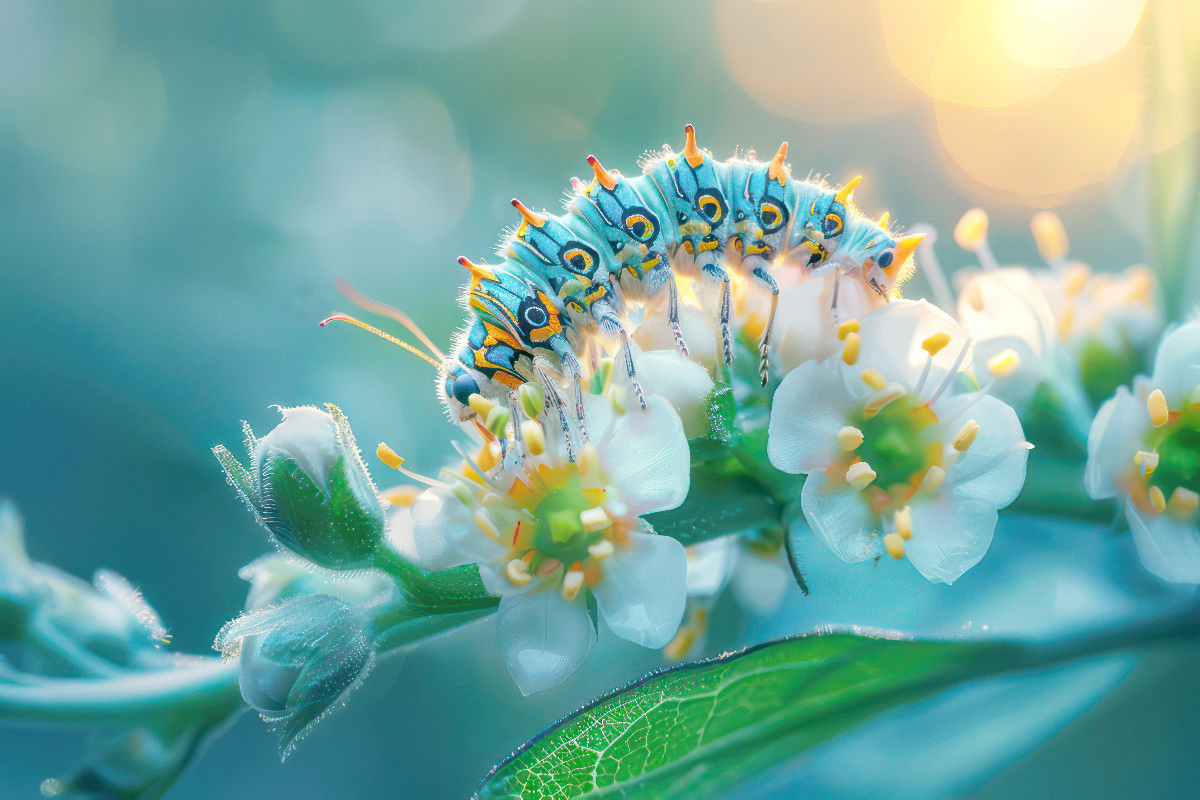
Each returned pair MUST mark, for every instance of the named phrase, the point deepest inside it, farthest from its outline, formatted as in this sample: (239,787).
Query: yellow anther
(1156,404)
(873,378)
(895,545)
(401,495)
(965,436)
(594,519)
(1050,235)
(934,343)
(860,475)
(486,524)
(1003,363)
(534,437)
(388,456)
(589,458)
(850,350)
(971,230)
(1066,320)
(903,521)
(1145,462)
(934,476)
(517,572)
(480,404)
(601,549)
(881,398)
(1183,502)
(1075,278)
(619,399)
(849,438)
(1157,501)
(572,583)
(489,456)
(848,327)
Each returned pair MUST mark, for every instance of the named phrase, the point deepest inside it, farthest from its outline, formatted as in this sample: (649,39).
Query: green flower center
(896,440)
(1178,446)
(559,531)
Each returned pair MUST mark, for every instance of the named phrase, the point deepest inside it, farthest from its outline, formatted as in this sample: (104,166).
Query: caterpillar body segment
(567,279)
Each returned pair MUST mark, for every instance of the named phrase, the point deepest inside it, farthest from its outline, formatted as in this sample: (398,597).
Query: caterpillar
(686,216)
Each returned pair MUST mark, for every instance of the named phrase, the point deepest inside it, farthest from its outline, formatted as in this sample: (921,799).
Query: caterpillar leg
(715,274)
(571,366)
(673,314)
(764,278)
(628,352)
(554,400)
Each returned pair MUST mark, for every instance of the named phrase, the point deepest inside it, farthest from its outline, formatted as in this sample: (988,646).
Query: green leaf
(239,477)
(722,499)
(722,411)
(699,729)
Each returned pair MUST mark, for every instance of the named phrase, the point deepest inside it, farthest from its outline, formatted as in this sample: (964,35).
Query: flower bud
(308,486)
(298,660)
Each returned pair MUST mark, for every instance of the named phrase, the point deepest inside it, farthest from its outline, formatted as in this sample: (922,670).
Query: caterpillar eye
(831,225)
(578,258)
(711,207)
(639,226)
(885,258)
(772,216)
(536,317)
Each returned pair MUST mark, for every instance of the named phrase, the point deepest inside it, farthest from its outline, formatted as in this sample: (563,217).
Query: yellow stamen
(601,549)
(517,572)
(934,343)
(873,378)
(1075,278)
(1157,501)
(849,438)
(489,456)
(1066,319)
(971,230)
(881,398)
(848,327)
(388,456)
(965,436)
(1145,462)
(594,519)
(903,521)
(1003,363)
(1183,502)
(895,545)
(1050,235)
(934,476)
(975,296)
(480,404)
(589,458)
(534,437)
(572,583)
(860,475)
(401,495)
(1156,404)
(850,350)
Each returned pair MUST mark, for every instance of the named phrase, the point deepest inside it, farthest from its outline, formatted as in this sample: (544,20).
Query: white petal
(950,535)
(307,435)
(644,590)
(710,565)
(697,328)
(1117,433)
(1168,548)
(999,433)
(811,405)
(760,582)
(891,341)
(646,455)
(684,384)
(804,325)
(840,517)
(1177,364)
(543,637)
(1012,305)
(444,533)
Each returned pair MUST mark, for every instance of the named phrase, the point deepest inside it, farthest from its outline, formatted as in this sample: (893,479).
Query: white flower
(895,457)
(547,531)
(1118,310)
(805,321)
(1145,445)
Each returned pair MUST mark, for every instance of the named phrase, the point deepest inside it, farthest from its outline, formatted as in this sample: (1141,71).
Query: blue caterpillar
(686,216)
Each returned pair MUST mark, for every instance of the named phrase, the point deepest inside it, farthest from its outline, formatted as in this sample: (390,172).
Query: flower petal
(1168,547)
(1116,434)
(543,637)
(444,534)
(840,517)
(644,590)
(950,535)
(760,582)
(646,455)
(1177,364)
(697,328)
(805,329)
(684,384)
(999,435)
(810,406)
(710,565)
(307,436)
(891,342)
(1008,302)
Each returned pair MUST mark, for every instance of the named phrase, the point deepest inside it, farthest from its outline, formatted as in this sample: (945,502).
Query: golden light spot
(1065,33)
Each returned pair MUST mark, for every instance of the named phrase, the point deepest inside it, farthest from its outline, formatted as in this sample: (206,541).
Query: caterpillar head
(458,384)
(883,260)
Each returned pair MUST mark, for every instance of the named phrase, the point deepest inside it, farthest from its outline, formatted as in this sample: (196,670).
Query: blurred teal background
(183,183)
